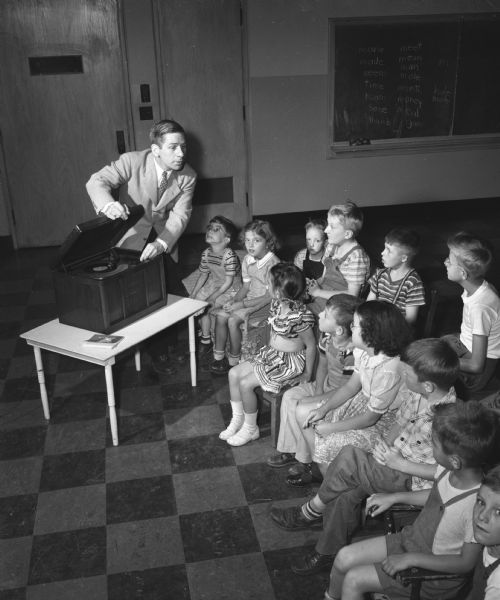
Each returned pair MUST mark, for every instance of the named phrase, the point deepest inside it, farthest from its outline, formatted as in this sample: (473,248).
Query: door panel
(201,67)
(58,128)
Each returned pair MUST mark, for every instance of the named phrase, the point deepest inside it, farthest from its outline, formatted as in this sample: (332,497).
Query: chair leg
(275,419)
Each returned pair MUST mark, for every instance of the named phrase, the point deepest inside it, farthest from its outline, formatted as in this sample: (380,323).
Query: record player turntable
(101,287)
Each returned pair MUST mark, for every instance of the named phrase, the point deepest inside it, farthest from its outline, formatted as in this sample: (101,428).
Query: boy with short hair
(478,344)
(486,523)
(347,265)
(335,366)
(398,283)
(220,273)
(464,439)
(403,461)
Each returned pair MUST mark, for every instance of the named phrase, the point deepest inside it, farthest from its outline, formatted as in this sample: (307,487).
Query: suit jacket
(134,173)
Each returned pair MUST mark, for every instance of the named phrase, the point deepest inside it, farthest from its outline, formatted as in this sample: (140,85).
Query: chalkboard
(414,82)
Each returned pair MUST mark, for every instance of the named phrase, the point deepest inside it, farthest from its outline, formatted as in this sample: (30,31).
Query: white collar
(261,262)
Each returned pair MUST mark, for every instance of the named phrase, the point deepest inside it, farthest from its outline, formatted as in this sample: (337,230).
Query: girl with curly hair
(364,408)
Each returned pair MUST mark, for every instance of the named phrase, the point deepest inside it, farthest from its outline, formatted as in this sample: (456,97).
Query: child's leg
(301,412)
(238,416)
(359,581)
(353,572)
(205,325)
(221,332)
(290,438)
(233,325)
(242,377)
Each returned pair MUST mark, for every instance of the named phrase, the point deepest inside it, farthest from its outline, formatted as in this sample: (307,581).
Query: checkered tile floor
(172,512)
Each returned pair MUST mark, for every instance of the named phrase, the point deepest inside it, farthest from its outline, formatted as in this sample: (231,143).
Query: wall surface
(288,119)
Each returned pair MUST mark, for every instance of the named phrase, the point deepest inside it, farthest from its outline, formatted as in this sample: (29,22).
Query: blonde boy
(478,344)
(347,265)
(398,283)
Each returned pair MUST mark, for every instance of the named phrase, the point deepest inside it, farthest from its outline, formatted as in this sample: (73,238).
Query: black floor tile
(78,407)
(180,395)
(16,594)
(152,584)
(139,429)
(68,555)
(140,499)
(25,388)
(17,515)
(21,443)
(72,470)
(218,533)
(204,452)
(262,484)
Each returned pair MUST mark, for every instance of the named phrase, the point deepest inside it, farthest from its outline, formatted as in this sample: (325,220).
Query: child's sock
(309,512)
(251,420)
(233,359)
(236,421)
(205,339)
(219,355)
(248,432)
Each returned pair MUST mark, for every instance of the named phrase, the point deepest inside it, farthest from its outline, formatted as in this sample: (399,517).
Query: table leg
(108,371)
(41,381)
(138,359)
(192,350)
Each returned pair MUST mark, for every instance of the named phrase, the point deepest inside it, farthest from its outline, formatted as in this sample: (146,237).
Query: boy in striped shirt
(398,283)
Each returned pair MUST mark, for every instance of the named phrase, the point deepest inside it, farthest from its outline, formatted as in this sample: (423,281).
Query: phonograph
(102,287)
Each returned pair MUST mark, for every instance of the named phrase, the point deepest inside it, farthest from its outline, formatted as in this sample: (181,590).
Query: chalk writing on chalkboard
(404,82)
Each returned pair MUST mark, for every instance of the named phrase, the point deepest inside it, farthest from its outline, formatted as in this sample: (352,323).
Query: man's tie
(163,185)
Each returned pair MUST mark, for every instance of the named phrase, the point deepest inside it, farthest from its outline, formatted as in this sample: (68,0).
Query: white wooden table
(68,340)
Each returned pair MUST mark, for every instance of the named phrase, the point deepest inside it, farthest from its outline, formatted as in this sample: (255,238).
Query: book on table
(102,340)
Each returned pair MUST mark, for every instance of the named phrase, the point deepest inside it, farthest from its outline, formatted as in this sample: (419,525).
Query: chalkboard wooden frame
(362,111)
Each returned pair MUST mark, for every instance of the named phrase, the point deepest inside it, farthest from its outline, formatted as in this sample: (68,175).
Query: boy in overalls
(464,440)
(347,265)
(486,523)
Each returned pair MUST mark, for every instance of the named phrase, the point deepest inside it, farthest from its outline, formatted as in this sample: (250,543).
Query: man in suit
(160,180)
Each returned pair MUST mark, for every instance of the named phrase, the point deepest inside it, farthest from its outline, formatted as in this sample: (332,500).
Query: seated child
(310,258)
(398,282)
(335,366)
(347,265)
(260,243)
(478,345)
(486,524)
(364,408)
(290,354)
(401,461)
(220,273)
(464,439)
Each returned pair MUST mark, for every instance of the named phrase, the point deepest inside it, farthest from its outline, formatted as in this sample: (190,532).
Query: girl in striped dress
(290,354)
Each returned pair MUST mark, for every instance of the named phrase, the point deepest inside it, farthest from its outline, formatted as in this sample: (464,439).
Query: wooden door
(59,126)
(201,76)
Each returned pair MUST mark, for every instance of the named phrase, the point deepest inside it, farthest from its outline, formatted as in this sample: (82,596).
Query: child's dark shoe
(220,367)
(309,475)
(281,460)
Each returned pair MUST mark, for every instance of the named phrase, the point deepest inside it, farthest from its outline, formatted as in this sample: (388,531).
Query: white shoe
(245,434)
(233,427)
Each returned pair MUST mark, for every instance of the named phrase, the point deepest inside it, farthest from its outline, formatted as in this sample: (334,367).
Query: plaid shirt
(414,440)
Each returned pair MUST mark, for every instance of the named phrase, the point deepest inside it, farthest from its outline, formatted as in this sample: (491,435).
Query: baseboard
(6,245)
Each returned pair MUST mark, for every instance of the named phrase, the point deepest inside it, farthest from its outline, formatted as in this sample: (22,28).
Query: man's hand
(116,210)
(151,250)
